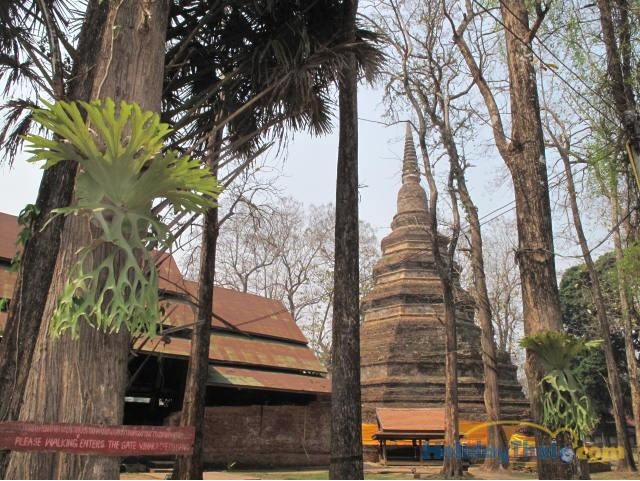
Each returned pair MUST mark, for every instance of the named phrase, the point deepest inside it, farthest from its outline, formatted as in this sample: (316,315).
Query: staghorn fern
(565,403)
(122,171)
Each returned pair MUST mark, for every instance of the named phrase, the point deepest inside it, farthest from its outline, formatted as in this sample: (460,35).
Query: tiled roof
(246,312)
(242,350)
(171,279)
(259,332)
(241,312)
(278,381)
(9,229)
(412,420)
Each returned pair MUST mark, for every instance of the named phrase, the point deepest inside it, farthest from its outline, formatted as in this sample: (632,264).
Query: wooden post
(384,452)
(420,451)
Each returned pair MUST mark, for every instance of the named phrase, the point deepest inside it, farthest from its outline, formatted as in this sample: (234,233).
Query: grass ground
(473,473)
(303,475)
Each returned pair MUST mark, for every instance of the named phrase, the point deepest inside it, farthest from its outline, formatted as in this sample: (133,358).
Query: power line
(512,204)
(566,82)
(559,174)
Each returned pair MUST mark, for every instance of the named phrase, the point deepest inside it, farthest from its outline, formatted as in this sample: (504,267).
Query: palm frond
(17,122)
(282,58)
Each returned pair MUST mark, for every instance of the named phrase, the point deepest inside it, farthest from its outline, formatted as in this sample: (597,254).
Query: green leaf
(123,171)
(565,403)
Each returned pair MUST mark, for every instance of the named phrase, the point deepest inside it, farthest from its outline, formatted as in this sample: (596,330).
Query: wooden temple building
(267,393)
(402,336)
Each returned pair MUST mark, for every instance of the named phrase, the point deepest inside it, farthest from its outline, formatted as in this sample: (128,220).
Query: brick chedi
(402,337)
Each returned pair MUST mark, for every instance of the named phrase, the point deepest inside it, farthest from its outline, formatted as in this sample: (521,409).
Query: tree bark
(452,463)
(525,158)
(346,415)
(195,393)
(630,351)
(620,73)
(84,381)
(605,332)
(41,250)
(496,438)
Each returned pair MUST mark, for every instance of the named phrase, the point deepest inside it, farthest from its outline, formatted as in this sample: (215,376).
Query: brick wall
(267,436)
(7,280)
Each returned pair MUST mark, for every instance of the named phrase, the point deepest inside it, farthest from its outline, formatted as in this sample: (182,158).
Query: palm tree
(244,81)
(346,415)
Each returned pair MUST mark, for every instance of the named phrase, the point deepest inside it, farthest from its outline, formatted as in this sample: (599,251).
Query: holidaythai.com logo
(523,448)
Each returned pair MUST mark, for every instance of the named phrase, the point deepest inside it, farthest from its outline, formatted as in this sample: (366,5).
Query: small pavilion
(416,425)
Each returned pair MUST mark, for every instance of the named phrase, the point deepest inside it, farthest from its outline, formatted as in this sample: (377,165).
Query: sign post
(96,439)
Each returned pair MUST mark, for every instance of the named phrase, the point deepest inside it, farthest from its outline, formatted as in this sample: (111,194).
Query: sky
(308,174)
(309,171)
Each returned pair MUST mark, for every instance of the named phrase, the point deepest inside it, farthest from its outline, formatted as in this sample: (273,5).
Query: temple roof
(255,343)
(9,229)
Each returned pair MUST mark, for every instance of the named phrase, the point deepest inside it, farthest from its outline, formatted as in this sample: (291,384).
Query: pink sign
(97,439)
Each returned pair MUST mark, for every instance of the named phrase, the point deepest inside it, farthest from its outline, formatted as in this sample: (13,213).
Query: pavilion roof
(410,420)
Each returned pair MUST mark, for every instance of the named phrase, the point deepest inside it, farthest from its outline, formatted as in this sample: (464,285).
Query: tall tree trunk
(195,393)
(346,409)
(605,332)
(525,158)
(84,381)
(41,250)
(452,463)
(620,73)
(496,438)
(523,153)
(630,351)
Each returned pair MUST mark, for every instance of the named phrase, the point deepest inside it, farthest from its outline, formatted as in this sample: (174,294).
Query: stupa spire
(412,199)
(410,172)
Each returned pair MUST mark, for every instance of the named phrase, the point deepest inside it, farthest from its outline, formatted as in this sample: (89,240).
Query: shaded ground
(375,472)
(615,475)
(404,473)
